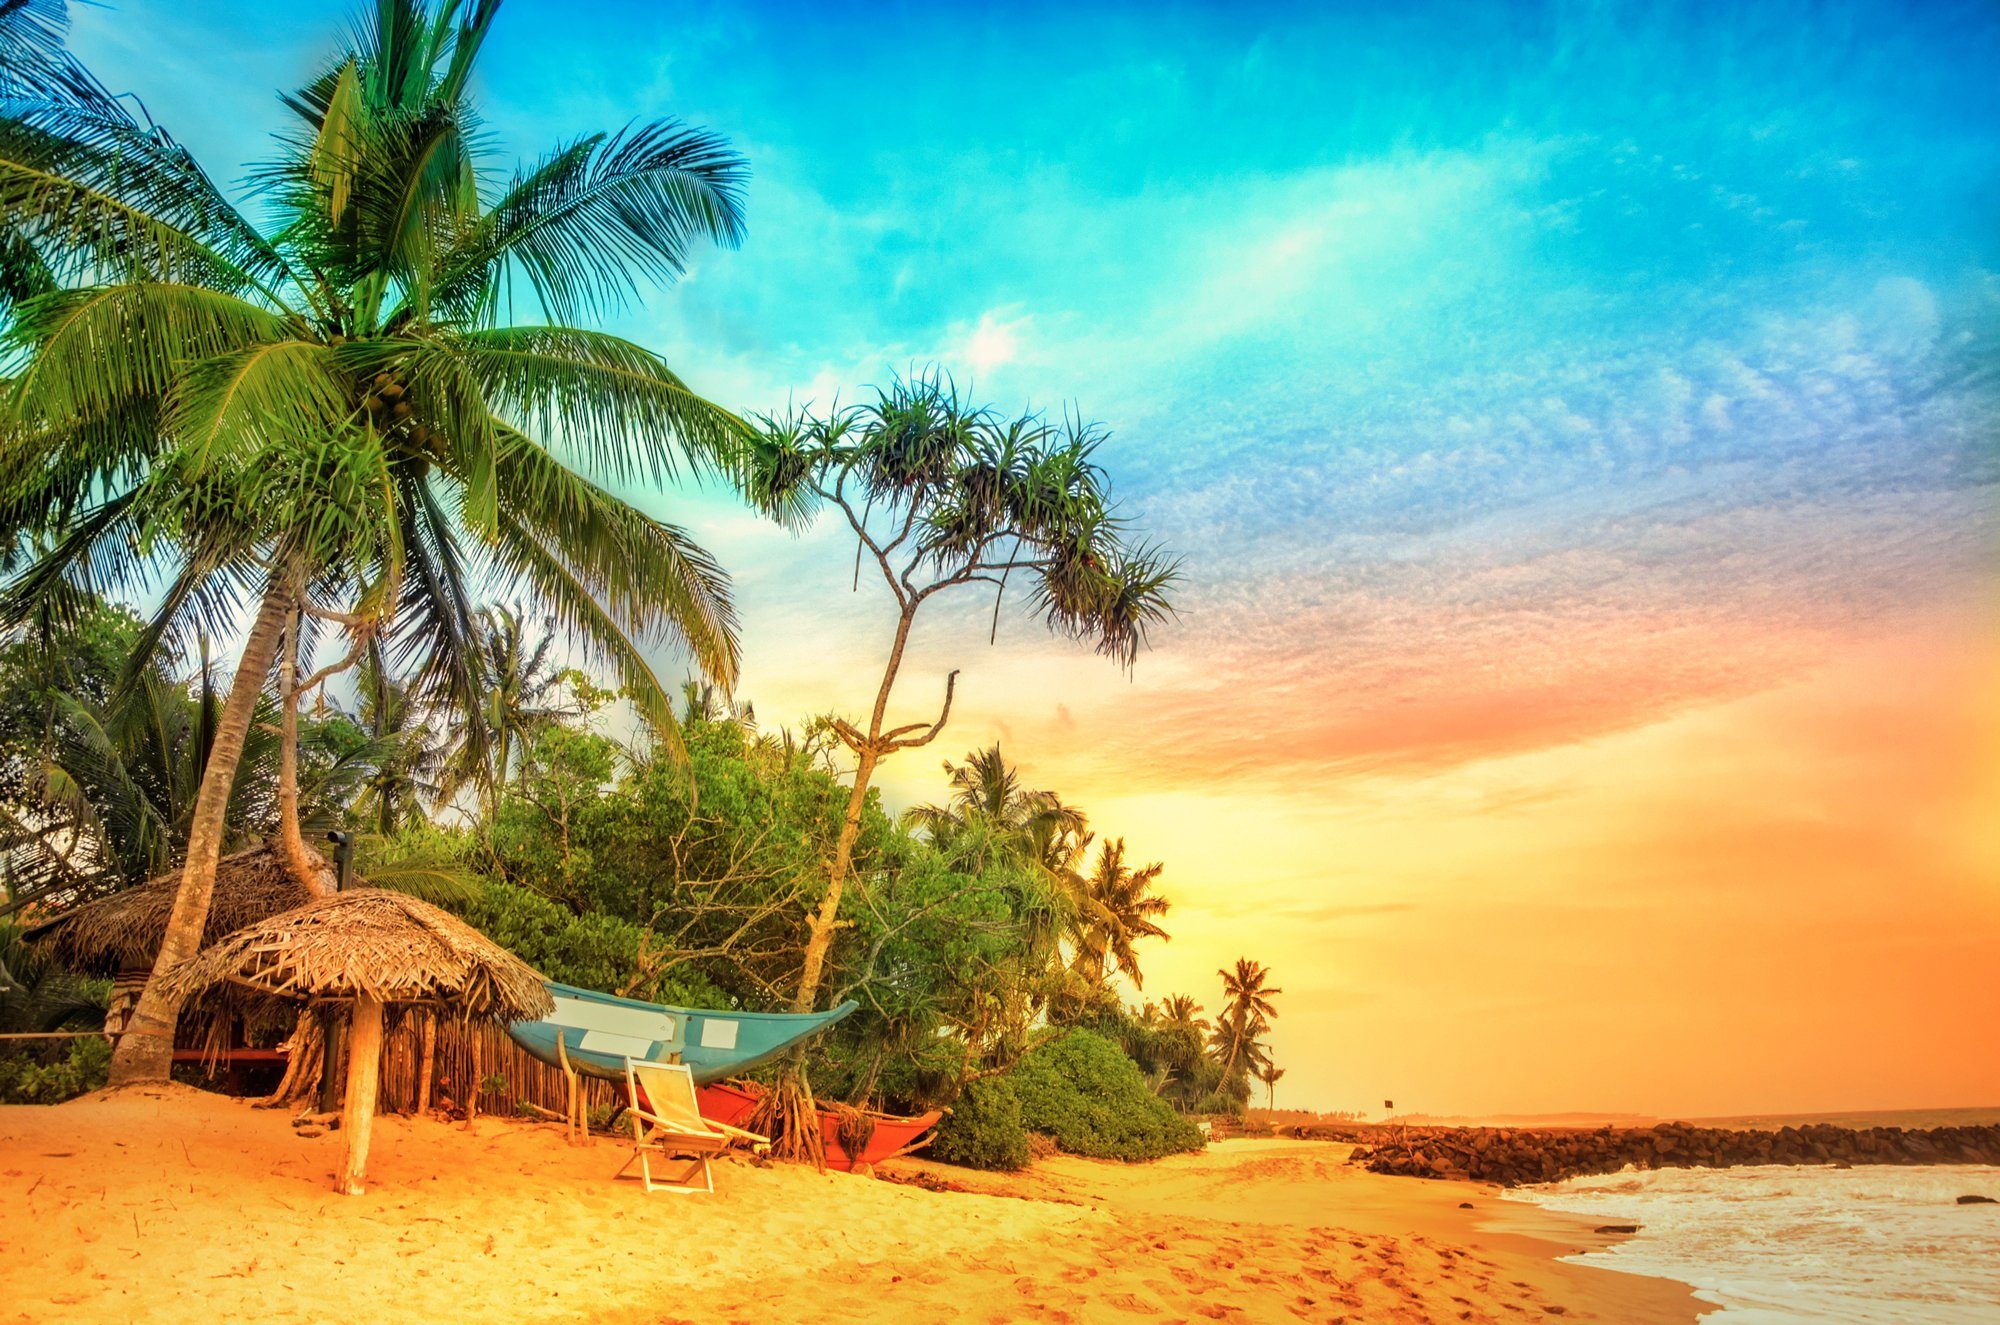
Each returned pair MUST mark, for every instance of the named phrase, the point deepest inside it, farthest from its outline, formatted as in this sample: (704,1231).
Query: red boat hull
(733,1105)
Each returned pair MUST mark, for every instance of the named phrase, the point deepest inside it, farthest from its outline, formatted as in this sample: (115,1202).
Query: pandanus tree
(945,499)
(321,419)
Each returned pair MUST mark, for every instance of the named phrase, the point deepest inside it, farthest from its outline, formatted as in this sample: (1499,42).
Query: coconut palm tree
(1181,1012)
(1118,909)
(411,771)
(986,790)
(1270,1074)
(1247,1011)
(323,416)
(523,692)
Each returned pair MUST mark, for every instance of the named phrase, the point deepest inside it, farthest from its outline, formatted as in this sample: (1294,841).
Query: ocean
(1784,1244)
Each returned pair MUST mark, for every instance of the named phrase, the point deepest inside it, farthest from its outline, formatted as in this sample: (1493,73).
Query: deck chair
(669,1126)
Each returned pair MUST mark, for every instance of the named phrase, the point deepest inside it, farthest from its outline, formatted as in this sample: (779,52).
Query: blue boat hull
(600,1031)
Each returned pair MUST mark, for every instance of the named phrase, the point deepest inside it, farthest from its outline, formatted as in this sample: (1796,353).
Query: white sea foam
(1783,1244)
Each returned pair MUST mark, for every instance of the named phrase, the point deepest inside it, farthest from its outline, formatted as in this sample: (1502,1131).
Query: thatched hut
(370,948)
(120,935)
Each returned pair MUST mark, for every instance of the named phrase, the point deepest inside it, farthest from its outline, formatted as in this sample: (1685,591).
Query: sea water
(1779,1243)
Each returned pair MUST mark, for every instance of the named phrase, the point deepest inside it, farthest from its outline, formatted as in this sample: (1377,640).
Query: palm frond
(595,215)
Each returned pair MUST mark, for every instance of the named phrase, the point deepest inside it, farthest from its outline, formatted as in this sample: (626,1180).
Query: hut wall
(517,1077)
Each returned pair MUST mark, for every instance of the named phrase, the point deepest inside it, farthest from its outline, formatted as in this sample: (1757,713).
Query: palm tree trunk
(306,865)
(145,1052)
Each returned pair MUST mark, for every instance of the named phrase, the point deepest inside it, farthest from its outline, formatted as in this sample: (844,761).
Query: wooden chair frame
(689,1138)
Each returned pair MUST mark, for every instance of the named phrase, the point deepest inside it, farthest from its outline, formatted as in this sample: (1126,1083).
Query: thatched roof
(125,930)
(370,943)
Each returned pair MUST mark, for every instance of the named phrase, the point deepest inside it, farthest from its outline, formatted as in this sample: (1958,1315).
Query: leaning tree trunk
(364,1078)
(145,1053)
(788,1114)
(306,865)
(825,918)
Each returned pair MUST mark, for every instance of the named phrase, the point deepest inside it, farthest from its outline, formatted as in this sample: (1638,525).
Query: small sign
(1388,1104)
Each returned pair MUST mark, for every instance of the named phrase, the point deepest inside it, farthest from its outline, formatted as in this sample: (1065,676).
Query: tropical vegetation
(301,533)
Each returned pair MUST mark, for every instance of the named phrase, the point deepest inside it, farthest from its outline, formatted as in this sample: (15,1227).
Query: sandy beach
(178,1206)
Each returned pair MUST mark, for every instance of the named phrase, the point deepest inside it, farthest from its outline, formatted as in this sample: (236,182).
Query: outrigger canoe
(888,1133)
(600,1031)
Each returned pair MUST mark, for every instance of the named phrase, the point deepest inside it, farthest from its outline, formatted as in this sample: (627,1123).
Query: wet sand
(189,1209)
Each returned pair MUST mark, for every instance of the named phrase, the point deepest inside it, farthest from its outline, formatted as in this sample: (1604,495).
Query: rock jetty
(1511,1156)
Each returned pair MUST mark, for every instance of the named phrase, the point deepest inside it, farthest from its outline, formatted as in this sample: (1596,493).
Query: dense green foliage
(1082,1090)
(49,1076)
(984,1131)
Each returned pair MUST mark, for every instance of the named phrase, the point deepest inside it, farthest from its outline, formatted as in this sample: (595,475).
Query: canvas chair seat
(668,1126)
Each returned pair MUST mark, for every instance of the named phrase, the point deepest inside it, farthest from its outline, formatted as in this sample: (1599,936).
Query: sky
(1578,422)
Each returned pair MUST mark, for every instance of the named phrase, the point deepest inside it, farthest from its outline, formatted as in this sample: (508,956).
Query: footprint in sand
(1132,1303)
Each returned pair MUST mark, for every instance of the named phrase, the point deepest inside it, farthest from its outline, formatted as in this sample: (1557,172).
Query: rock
(1977,1200)
(1467,1205)
(309,1129)
(863,1169)
(1617,1228)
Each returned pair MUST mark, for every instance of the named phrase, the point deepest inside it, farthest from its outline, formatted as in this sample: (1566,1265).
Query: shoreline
(184,1208)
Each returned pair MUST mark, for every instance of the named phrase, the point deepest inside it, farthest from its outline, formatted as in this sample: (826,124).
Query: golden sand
(180,1207)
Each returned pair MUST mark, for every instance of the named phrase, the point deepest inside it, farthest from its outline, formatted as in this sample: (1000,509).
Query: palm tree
(1247,1011)
(411,770)
(1118,910)
(1181,1012)
(523,693)
(323,415)
(986,791)
(1270,1074)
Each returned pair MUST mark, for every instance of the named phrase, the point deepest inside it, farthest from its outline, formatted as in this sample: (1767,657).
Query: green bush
(1083,1091)
(983,1130)
(30,1078)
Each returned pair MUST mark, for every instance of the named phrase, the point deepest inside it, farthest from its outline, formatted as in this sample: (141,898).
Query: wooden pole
(427,1060)
(472,1090)
(364,1065)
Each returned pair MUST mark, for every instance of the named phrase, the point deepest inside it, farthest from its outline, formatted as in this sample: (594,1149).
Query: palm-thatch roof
(124,931)
(371,944)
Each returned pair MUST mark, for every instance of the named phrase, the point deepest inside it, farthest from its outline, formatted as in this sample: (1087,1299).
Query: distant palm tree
(324,416)
(1270,1076)
(1182,1013)
(522,694)
(411,772)
(1247,1011)
(986,791)
(1119,908)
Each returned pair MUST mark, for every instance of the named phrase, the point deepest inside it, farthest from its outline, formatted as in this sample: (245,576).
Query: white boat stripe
(587,1015)
(716,1034)
(619,1046)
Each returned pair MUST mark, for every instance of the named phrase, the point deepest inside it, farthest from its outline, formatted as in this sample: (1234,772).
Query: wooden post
(426,1060)
(331,1029)
(576,1118)
(472,1088)
(364,1066)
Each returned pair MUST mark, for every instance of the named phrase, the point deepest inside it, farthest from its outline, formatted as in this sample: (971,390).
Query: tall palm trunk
(145,1052)
(307,866)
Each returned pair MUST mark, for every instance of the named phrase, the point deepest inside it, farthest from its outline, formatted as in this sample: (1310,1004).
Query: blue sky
(1512,377)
